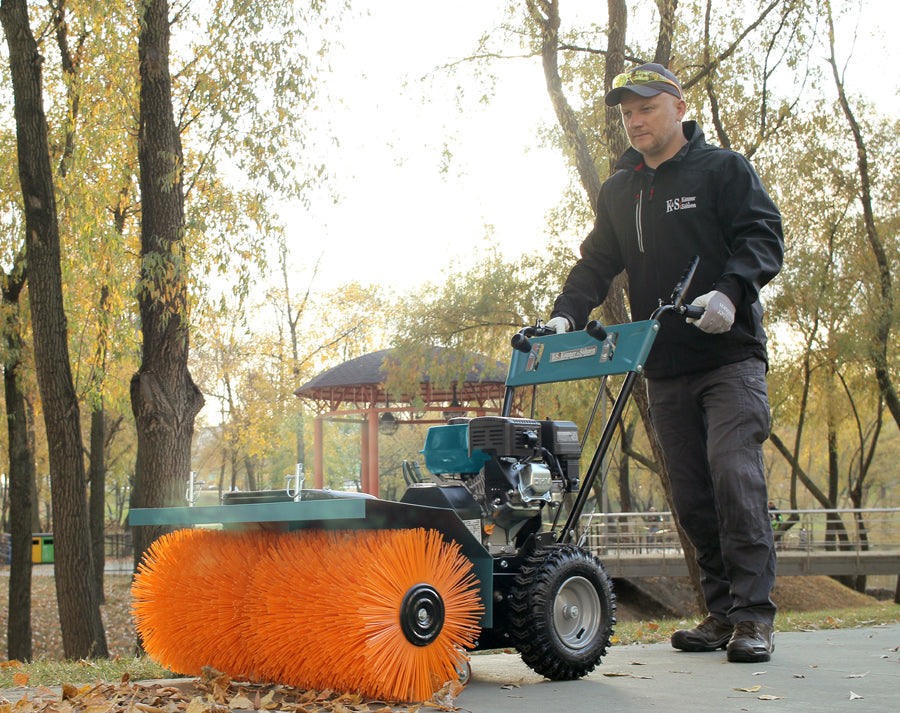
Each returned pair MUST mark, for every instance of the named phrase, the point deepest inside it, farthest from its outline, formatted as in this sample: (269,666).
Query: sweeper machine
(324,589)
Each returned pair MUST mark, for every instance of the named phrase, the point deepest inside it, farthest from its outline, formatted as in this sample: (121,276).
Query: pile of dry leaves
(213,692)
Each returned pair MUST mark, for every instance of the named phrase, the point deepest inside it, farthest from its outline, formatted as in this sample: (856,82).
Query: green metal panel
(286,512)
(577,355)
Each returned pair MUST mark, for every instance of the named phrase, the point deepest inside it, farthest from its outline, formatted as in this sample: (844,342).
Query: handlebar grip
(596,330)
(692,311)
(520,343)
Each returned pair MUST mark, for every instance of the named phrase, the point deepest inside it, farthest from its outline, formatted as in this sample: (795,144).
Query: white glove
(718,315)
(559,324)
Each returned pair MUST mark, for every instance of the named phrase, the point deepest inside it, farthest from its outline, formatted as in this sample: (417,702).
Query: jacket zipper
(637,220)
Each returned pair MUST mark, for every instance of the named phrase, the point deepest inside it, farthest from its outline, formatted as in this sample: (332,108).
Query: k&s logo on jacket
(683,203)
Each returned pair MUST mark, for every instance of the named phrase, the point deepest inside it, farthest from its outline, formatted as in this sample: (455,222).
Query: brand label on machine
(569,354)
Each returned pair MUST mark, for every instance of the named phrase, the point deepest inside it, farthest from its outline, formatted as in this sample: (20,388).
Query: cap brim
(644,90)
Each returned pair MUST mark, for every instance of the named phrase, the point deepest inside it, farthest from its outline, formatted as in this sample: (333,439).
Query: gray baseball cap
(646,80)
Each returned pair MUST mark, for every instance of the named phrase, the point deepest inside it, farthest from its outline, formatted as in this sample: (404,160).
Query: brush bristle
(312,609)
(188,594)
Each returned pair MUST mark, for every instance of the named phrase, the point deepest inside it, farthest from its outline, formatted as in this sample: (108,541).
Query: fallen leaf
(799,675)
(759,673)
(769,697)
(98,707)
(240,701)
(11,664)
(625,674)
(268,702)
(20,679)
(857,675)
(197,705)
(144,708)
(855,696)
(752,689)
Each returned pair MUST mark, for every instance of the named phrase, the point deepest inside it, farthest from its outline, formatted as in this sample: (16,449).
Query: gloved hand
(718,315)
(559,324)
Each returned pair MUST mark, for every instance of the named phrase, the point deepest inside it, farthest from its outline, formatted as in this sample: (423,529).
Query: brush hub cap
(421,614)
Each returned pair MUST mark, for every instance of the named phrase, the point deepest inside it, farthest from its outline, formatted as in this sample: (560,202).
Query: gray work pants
(711,427)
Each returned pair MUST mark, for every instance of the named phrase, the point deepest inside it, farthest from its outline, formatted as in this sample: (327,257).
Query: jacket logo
(682,203)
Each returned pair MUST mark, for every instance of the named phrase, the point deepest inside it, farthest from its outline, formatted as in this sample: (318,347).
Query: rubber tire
(546,573)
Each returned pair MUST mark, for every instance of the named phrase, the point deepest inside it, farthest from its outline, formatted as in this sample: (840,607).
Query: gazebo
(356,390)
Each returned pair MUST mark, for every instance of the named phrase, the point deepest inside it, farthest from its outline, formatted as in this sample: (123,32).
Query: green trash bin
(42,548)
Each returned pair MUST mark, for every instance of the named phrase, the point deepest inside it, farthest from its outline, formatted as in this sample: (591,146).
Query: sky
(400,219)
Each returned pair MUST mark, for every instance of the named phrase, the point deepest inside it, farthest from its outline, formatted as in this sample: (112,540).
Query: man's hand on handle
(718,315)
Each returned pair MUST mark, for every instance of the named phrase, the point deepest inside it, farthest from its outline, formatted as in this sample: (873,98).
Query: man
(674,196)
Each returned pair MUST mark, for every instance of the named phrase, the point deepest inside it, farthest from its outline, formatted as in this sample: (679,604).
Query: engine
(510,467)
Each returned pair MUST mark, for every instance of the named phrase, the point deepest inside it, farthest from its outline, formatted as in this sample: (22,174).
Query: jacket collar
(633,160)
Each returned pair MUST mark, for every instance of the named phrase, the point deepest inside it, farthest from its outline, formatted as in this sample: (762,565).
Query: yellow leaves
(762,696)
(19,678)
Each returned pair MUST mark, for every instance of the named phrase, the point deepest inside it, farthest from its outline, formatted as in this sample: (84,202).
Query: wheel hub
(421,614)
(577,612)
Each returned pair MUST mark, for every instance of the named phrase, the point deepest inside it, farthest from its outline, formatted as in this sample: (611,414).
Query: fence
(847,541)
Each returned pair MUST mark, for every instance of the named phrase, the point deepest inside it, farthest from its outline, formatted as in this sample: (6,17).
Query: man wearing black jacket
(674,196)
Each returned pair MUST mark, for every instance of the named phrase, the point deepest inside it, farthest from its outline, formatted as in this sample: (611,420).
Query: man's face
(653,125)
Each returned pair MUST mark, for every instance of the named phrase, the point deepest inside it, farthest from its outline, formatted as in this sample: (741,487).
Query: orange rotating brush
(188,596)
(386,613)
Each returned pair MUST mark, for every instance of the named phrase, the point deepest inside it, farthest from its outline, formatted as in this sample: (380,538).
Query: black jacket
(704,201)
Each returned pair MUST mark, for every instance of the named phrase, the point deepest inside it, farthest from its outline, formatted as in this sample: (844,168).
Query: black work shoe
(752,642)
(709,635)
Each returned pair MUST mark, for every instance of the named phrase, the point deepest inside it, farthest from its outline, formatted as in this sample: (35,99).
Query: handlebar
(521,340)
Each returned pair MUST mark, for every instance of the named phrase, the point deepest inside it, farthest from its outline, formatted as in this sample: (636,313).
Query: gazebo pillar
(364,455)
(318,454)
(374,482)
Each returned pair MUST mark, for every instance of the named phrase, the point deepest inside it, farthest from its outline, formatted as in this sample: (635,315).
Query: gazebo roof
(361,381)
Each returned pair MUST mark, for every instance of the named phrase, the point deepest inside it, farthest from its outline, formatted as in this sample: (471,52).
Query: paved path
(822,671)
(830,671)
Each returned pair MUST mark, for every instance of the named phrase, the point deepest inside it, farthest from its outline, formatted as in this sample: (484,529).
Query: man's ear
(680,108)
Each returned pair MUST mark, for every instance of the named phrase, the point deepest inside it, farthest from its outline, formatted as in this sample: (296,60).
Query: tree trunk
(97,502)
(79,610)
(884,306)
(164,398)
(21,474)
(21,484)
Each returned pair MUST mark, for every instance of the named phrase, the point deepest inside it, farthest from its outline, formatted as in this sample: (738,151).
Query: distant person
(774,512)
(653,519)
(673,196)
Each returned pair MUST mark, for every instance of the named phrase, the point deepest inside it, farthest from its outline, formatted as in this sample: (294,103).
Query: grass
(49,672)
(655,632)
